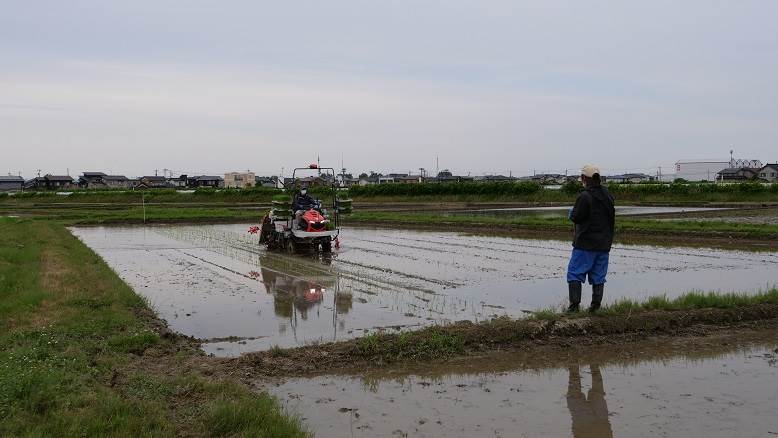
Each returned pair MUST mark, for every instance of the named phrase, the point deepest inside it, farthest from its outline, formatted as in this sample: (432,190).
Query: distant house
(451,178)
(410,179)
(49,182)
(206,181)
(367,181)
(11,183)
(549,178)
(116,181)
(56,182)
(629,178)
(769,172)
(99,180)
(37,183)
(91,180)
(240,180)
(313,181)
(493,178)
(266,181)
(178,182)
(349,182)
(738,174)
(151,182)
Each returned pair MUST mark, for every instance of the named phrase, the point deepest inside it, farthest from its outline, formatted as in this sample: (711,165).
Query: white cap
(589,170)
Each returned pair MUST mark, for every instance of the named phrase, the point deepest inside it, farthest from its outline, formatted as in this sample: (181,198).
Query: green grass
(433,342)
(73,353)
(563,224)
(688,301)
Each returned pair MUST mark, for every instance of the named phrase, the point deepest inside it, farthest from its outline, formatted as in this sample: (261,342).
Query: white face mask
(303,192)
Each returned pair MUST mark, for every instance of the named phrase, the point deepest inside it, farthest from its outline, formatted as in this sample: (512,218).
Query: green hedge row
(454,188)
(513,189)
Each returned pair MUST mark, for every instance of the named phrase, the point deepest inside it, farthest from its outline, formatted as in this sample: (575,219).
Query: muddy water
(214,282)
(716,392)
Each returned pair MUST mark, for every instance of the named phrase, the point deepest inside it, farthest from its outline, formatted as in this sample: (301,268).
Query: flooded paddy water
(215,282)
(713,388)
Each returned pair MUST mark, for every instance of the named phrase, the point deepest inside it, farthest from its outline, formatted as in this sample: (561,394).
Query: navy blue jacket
(595,217)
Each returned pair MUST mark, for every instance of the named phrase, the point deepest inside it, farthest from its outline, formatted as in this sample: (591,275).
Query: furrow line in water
(403,274)
(448,243)
(659,251)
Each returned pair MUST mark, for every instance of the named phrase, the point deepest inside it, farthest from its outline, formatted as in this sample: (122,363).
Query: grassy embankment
(629,225)
(620,323)
(689,301)
(81,354)
(439,342)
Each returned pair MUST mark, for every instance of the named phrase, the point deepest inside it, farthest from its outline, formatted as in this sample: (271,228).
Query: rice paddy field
(259,315)
(217,284)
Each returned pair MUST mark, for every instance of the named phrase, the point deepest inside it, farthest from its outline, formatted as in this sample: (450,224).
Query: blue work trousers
(583,263)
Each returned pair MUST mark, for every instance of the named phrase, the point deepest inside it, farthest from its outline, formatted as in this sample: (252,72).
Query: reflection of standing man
(590,415)
(594,218)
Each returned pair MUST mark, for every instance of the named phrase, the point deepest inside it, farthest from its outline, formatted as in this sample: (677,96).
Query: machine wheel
(291,247)
(326,247)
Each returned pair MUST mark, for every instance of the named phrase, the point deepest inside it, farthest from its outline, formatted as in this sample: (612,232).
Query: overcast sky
(486,86)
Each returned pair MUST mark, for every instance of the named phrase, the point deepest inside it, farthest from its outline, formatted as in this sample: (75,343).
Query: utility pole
(39,173)
(156,172)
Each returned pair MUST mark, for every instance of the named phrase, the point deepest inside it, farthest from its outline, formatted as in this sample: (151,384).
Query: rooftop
(59,178)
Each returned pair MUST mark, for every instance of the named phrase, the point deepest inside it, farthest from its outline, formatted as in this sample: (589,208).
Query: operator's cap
(589,170)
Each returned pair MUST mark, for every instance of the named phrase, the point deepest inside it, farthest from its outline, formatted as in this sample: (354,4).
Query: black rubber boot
(574,293)
(597,291)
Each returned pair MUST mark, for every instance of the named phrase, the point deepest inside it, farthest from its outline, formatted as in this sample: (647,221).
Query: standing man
(594,219)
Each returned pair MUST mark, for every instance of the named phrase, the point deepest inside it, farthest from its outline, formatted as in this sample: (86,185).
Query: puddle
(716,392)
(214,282)
(626,210)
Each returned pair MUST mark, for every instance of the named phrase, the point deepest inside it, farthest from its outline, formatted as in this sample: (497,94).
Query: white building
(699,170)
(239,180)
